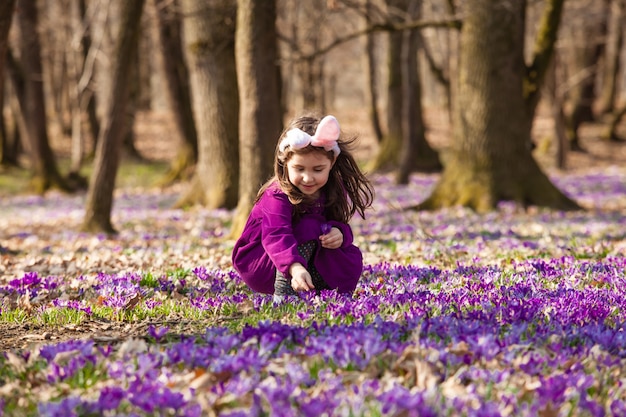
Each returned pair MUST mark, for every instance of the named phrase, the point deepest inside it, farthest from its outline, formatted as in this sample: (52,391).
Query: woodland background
(460,88)
(499,114)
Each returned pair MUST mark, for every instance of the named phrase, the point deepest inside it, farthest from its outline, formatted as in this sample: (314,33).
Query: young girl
(297,237)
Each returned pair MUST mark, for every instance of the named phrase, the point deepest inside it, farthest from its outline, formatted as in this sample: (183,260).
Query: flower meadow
(518,312)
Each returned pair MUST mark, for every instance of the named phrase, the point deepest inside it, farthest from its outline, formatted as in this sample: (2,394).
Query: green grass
(179,273)
(131,174)
(60,317)
(16,316)
(13,181)
(149,280)
(140,174)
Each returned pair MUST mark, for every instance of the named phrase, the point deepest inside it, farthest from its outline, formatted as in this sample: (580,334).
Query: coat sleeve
(277,234)
(346,231)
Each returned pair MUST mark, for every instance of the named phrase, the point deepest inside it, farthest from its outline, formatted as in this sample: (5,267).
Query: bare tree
(610,132)
(177,87)
(554,97)
(209,35)
(417,155)
(80,59)
(612,53)
(497,96)
(260,116)
(45,172)
(370,75)
(90,46)
(587,31)
(389,151)
(16,98)
(310,71)
(99,202)
(6,15)
(404,146)
(54,28)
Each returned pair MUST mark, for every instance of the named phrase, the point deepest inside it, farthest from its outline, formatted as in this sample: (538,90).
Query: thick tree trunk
(99,202)
(260,113)
(209,33)
(388,153)
(6,14)
(491,160)
(45,172)
(177,88)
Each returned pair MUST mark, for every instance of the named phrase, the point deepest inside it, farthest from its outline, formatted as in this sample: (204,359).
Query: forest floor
(25,246)
(156,139)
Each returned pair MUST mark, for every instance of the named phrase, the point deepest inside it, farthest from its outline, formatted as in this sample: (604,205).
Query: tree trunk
(308,19)
(371,89)
(554,97)
(310,74)
(129,150)
(417,155)
(209,33)
(491,159)
(89,57)
(17,104)
(260,118)
(104,27)
(45,172)
(6,14)
(588,33)
(610,132)
(80,72)
(612,52)
(389,151)
(102,183)
(177,88)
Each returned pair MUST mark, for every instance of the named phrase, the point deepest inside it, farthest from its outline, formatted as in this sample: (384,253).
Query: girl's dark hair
(348,190)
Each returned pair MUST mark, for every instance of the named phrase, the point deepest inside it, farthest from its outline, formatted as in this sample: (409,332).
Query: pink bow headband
(326,136)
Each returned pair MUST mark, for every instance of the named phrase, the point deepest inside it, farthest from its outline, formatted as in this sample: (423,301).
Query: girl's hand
(332,239)
(300,278)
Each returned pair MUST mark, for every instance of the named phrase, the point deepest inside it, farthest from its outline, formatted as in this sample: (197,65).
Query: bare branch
(452,23)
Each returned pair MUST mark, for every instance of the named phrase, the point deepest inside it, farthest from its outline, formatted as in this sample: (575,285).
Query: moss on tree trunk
(491,159)
(481,186)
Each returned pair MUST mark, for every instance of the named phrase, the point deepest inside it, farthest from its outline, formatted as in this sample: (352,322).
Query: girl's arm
(300,278)
(277,234)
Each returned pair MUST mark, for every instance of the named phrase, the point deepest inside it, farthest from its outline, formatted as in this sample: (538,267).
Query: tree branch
(452,23)
(436,70)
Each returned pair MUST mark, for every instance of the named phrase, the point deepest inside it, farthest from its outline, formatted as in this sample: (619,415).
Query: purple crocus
(158,332)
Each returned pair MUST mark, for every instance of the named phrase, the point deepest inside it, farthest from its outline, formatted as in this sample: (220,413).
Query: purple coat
(270,241)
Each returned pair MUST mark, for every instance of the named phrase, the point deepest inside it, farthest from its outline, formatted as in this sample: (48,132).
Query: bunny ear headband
(326,136)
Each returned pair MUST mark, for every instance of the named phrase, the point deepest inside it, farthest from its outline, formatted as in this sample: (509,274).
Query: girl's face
(309,172)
